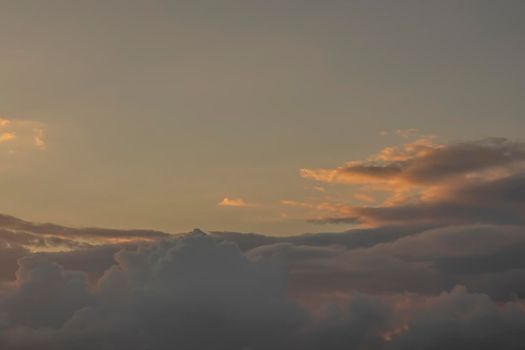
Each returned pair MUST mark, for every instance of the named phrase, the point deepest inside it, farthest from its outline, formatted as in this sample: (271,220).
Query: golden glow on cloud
(39,138)
(7,136)
(364,197)
(19,135)
(235,202)
(416,174)
(383,171)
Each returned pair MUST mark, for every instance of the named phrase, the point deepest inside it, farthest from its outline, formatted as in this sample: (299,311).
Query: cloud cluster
(422,162)
(369,289)
(440,265)
(16,134)
(90,249)
(464,183)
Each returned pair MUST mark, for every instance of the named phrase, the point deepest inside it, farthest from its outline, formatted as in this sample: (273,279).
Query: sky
(356,169)
(152,113)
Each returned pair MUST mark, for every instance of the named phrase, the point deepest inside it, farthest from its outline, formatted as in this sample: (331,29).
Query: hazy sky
(152,113)
(377,147)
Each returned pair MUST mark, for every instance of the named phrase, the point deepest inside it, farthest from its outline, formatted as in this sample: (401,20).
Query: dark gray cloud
(355,238)
(192,293)
(482,324)
(199,291)
(486,259)
(9,255)
(499,201)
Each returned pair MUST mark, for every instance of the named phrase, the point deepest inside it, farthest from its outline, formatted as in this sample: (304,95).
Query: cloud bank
(457,287)
(440,264)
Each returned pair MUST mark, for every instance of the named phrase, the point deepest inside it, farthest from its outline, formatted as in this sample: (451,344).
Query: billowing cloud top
(384,288)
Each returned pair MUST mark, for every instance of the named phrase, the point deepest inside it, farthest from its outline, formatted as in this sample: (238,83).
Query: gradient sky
(152,113)
(375,150)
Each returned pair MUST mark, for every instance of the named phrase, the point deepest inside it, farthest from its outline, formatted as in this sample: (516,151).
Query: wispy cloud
(39,138)
(406,133)
(18,135)
(7,136)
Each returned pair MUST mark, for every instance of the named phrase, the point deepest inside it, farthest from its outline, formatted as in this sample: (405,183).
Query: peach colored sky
(171,115)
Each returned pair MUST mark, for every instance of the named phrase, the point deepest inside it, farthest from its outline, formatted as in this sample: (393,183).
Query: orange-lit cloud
(39,138)
(21,135)
(7,136)
(4,122)
(423,163)
(428,182)
(38,237)
(235,202)
(364,197)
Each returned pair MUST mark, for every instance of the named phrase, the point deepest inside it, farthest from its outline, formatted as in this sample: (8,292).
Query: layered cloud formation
(439,264)
(471,182)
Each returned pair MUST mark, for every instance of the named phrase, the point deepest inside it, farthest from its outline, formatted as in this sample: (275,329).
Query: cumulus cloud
(200,292)
(459,320)
(192,293)
(378,288)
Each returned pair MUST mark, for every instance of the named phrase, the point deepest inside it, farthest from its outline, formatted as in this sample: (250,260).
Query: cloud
(46,236)
(484,258)
(160,296)
(438,264)
(469,182)
(7,136)
(384,288)
(18,135)
(235,202)
(459,320)
(424,163)
(499,201)
(198,292)
(442,266)
(39,138)
(363,197)
(9,256)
